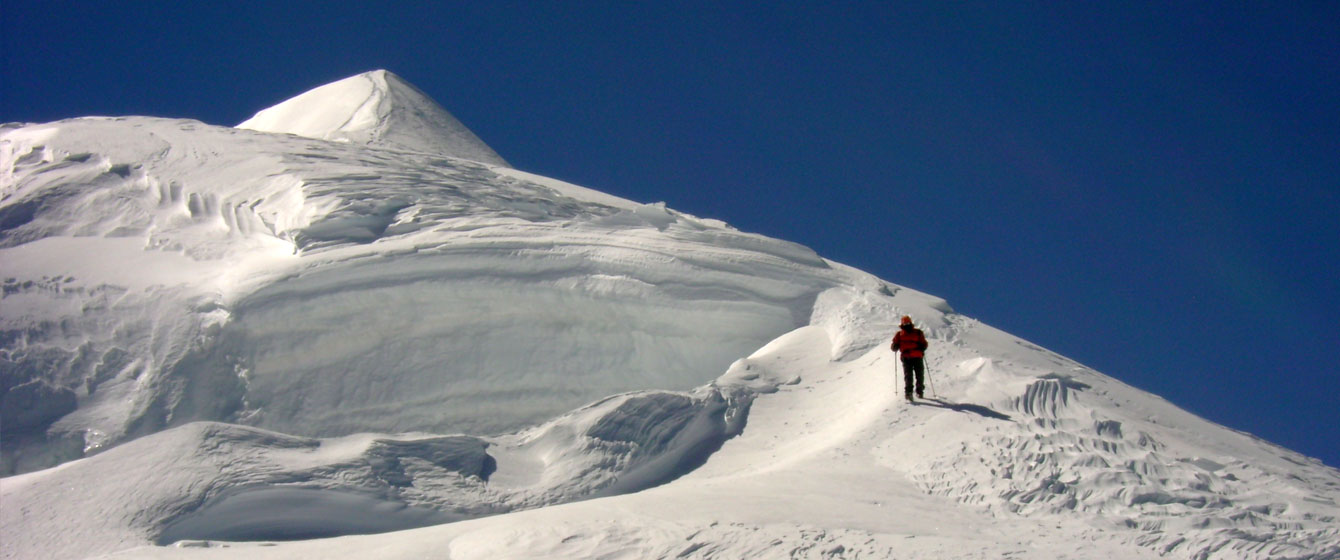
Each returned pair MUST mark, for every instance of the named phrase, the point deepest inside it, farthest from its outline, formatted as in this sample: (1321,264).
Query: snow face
(375,108)
(159,272)
(214,335)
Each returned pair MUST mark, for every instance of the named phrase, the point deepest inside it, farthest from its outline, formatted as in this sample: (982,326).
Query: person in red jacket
(911,343)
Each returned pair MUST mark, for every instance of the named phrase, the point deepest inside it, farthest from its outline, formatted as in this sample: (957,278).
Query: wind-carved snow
(228,482)
(177,272)
(271,336)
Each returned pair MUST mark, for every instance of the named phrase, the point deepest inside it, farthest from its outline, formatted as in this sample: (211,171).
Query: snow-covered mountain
(349,315)
(376,109)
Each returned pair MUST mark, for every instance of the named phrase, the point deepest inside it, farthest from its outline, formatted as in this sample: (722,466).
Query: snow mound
(376,108)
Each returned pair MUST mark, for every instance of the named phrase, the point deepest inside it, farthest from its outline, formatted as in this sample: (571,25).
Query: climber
(911,342)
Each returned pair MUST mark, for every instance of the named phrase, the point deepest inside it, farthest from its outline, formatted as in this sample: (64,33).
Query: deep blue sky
(1152,190)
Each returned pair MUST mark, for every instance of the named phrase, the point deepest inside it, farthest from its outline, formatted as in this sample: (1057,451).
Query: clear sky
(1150,189)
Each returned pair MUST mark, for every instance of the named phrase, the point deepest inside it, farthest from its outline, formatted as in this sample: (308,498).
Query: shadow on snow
(965,407)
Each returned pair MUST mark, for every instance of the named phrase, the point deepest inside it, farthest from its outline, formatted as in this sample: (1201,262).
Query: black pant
(910,366)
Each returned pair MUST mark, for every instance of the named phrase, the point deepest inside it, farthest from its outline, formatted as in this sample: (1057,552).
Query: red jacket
(911,342)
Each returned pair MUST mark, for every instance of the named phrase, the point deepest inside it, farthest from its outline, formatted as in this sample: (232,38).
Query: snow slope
(212,335)
(830,463)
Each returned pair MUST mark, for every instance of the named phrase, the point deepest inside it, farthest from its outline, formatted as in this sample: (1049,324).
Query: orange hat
(907,320)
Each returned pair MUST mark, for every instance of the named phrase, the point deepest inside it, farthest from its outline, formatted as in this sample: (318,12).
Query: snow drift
(349,316)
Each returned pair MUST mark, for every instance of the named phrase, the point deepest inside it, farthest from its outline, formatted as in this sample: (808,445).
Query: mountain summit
(215,334)
(376,108)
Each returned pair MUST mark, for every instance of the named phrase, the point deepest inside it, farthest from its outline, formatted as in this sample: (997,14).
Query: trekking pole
(896,386)
(931,380)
